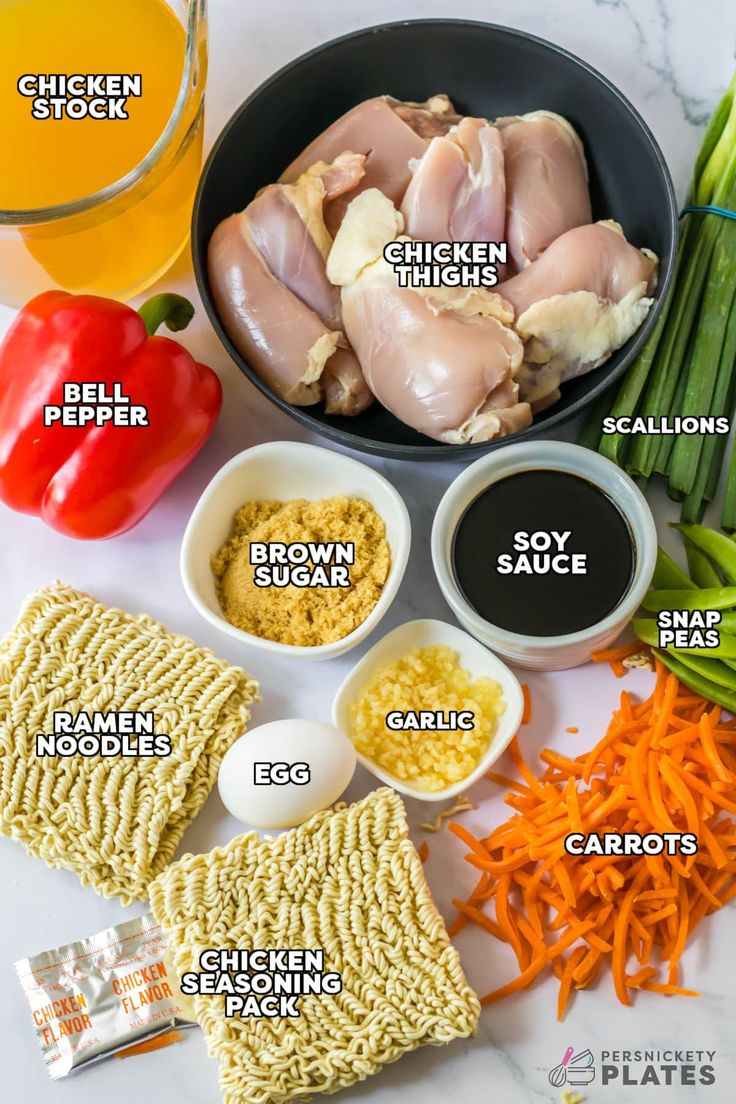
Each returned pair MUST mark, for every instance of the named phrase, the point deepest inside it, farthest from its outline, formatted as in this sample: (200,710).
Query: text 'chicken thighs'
(443,361)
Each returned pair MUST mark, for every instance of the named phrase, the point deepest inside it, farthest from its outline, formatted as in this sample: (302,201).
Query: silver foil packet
(93,998)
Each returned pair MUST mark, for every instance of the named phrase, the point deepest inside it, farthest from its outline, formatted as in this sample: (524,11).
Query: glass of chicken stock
(102,112)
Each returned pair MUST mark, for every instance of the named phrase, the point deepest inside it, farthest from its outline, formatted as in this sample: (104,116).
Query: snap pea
(668,576)
(647,630)
(702,571)
(705,687)
(728,623)
(721,549)
(709,598)
(711,669)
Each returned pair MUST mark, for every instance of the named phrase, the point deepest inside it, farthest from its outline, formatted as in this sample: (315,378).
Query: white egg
(279,774)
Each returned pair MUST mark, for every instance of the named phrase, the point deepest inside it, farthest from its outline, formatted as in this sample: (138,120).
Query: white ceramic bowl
(545,653)
(285,470)
(472,656)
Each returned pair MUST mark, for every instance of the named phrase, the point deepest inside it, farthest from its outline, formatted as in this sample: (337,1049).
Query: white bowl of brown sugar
(296,549)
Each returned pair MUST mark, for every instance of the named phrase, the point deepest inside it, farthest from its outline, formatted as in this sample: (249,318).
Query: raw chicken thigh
(441,360)
(458,190)
(389,132)
(302,286)
(583,299)
(267,270)
(546,182)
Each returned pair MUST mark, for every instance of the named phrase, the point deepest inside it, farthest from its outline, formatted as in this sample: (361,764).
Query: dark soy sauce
(549,604)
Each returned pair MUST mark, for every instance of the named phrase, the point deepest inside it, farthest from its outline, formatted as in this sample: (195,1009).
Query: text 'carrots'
(666,764)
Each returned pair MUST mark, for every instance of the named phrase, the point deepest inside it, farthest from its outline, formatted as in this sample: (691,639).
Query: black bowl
(486,70)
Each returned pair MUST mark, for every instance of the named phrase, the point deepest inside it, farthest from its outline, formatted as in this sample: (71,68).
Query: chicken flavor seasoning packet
(110,991)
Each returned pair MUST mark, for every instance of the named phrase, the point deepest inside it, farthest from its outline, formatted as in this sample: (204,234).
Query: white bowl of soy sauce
(544,551)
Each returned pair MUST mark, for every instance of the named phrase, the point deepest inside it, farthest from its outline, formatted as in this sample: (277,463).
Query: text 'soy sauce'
(543,553)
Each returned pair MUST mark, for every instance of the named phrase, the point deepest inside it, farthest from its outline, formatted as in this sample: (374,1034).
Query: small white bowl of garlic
(429,667)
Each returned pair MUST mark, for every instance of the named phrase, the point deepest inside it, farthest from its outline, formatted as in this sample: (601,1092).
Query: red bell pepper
(95,481)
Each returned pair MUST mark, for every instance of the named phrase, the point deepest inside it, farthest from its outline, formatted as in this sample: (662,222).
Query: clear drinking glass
(119,240)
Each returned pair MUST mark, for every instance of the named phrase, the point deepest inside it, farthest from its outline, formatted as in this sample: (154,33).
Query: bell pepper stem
(176,311)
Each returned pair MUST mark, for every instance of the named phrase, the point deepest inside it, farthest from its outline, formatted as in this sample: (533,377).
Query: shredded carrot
(606,655)
(664,765)
(424,851)
(478,918)
(526,716)
(566,981)
(618,668)
(711,751)
(468,838)
(572,730)
(525,978)
(637,980)
(567,766)
(158,1042)
(668,990)
(509,783)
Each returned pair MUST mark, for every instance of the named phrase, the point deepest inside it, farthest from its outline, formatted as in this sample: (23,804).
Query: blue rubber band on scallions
(709,209)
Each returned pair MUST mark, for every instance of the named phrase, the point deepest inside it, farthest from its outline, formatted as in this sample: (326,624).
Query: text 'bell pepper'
(97,480)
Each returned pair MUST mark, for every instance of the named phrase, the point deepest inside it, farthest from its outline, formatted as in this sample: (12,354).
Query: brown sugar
(302,615)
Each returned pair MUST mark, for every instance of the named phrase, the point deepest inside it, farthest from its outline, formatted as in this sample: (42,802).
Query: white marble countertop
(672,59)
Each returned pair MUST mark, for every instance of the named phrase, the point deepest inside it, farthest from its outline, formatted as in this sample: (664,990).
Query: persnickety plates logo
(636,1067)
(574,1069)
(658,1067)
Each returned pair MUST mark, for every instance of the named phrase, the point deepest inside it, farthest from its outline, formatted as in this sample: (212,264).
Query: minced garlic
(425,679)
